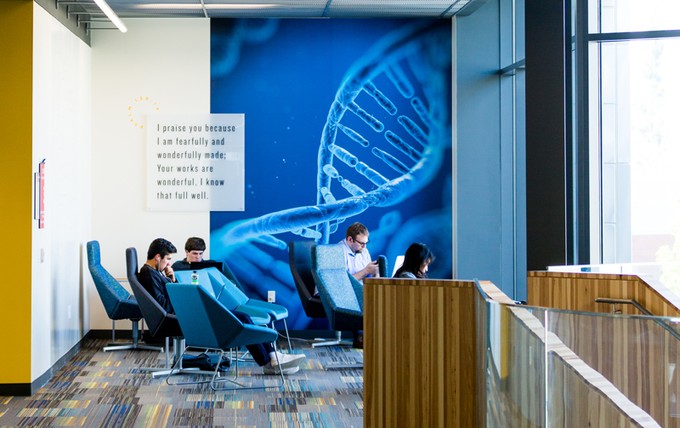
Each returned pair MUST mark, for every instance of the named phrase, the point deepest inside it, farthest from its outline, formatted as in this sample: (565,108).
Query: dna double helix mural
(346,120)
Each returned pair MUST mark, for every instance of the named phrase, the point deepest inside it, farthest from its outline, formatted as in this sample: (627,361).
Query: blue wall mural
(346,120)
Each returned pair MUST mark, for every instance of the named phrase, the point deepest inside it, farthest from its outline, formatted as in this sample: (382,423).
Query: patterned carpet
(108,389)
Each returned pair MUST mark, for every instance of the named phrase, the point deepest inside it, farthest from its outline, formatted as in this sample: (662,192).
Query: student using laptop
(416,261)
(156,273)
(194,248)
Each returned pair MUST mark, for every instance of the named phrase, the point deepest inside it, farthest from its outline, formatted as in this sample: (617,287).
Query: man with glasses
(357,258)
(358,262)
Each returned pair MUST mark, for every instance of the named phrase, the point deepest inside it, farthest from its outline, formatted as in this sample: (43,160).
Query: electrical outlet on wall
(271,296)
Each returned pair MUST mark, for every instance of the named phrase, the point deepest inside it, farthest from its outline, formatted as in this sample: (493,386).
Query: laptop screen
(205,264)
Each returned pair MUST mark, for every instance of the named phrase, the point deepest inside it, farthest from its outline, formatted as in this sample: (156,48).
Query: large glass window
(626,15)
(634,133)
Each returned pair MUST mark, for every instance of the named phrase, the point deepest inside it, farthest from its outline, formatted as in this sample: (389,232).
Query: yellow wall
(16,52)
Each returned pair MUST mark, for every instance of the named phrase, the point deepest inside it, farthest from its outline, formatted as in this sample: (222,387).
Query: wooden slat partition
(636,354)
(419,353)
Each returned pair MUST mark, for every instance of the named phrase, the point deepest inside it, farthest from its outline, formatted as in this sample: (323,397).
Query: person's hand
(169,272)
(372,269)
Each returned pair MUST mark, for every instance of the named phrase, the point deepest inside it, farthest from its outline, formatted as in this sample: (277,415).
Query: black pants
(260,351)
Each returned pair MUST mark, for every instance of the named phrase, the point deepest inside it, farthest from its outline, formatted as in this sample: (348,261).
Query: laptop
(205,264)
(397,263)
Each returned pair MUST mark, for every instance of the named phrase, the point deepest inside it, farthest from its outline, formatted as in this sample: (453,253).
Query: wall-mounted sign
(196,162)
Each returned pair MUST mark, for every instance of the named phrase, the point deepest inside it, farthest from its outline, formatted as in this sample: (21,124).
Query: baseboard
(28,389)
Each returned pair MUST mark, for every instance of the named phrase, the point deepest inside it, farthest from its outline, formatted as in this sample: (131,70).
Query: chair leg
(129,345)
(170,369)
(285,327)
(331,342)
(218,380)
(177,369)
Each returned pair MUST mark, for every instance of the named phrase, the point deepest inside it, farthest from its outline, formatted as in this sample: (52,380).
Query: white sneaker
(285,360)
(271,370)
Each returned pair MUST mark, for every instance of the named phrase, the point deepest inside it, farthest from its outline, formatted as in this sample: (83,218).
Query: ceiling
(87,13)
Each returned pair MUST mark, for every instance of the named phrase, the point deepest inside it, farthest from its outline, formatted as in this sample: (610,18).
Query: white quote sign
(196,162)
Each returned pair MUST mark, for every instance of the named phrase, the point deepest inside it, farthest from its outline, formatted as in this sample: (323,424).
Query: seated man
(157,272)
(195,249)
(357,258)
(358,261)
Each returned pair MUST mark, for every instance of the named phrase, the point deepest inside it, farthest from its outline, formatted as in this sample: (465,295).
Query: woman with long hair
(416,261)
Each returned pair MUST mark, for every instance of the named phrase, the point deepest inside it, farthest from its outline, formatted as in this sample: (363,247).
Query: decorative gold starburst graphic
(140,107)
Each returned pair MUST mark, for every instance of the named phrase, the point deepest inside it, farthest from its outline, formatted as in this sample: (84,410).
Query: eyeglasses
(363,244)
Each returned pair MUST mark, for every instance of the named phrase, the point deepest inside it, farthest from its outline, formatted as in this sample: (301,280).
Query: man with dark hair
(157,272)
(357,258)
(194,248)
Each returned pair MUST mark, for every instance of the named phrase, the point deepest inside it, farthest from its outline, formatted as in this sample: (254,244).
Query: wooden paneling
(419,353)
(578,291)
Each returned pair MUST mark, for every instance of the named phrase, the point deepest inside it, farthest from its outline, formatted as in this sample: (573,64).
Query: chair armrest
(258,316)
(254,334)
(277,312)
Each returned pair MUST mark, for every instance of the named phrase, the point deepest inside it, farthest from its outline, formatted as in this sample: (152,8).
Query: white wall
(61,135)
(160,66)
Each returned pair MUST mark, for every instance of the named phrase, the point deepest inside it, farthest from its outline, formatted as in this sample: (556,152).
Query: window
(634,133)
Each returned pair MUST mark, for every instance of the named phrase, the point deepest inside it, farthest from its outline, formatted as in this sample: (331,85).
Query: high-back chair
(118,302)
(383,266)
(160,323)
(208,325)
(300,261)
(218,286)
(342,295)
(230,291)
(276,312)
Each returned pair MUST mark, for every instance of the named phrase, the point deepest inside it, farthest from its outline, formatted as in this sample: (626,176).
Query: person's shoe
(286,360)
(274,370)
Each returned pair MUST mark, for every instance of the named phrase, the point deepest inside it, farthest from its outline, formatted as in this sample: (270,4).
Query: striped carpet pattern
(109,389)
